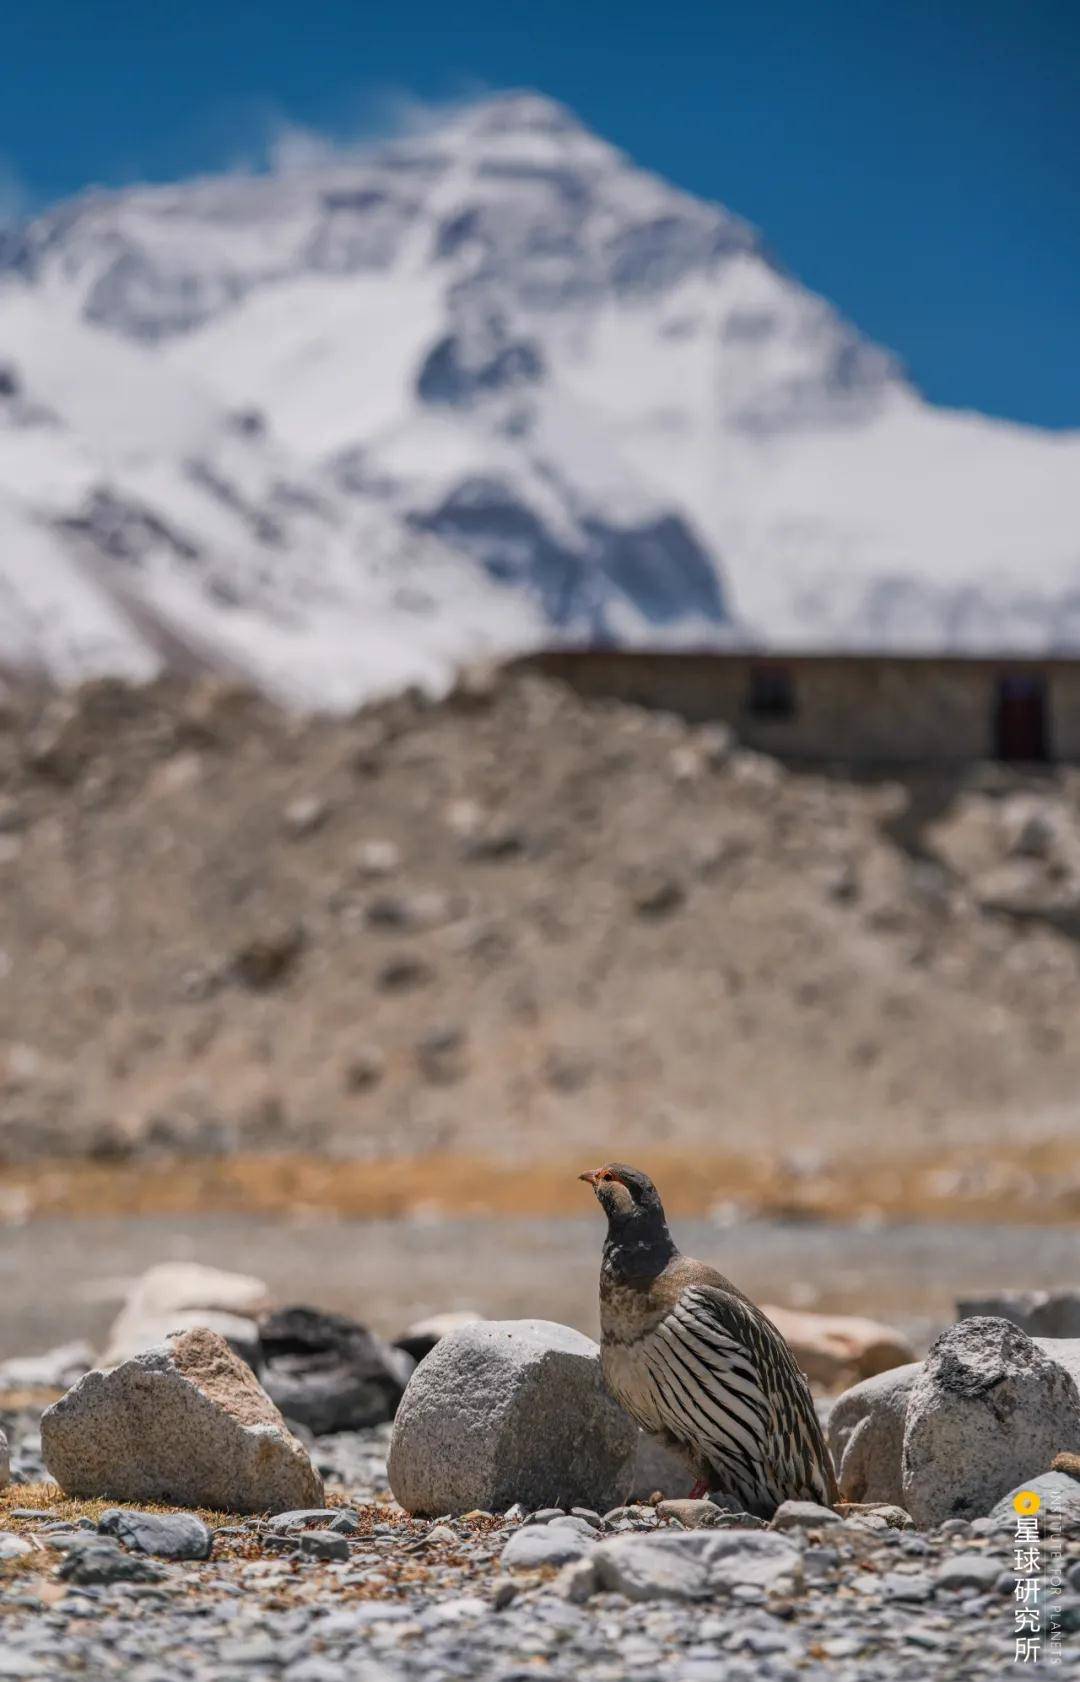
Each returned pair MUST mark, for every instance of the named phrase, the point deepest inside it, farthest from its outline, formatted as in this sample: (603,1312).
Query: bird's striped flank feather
(715,1375)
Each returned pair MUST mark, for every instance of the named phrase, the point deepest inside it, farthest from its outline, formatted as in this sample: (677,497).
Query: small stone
(503,1591)
(968,1571)
(305,815)
(495,844)
(364,1069)
(545,1544)
(377,858)
(295,1520)
(322,1544)
(166,1535)
(441,1055)
(692,1515)
(658,895)
(906,1586)
(403,974)
(694,1565)
(803,1515)
(103,1562)
(269,956)
(12,1546)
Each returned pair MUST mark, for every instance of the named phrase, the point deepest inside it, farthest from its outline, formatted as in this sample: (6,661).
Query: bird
(695,1362)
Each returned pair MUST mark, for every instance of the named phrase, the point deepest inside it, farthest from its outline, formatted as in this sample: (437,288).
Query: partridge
(694,1361)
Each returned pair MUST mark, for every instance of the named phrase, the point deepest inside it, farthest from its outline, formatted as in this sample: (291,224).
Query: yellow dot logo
(1027,1502)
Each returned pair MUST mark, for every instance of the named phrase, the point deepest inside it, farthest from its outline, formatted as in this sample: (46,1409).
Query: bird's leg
(700,1490)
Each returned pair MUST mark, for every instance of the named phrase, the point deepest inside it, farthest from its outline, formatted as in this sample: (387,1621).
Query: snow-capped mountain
(343,426)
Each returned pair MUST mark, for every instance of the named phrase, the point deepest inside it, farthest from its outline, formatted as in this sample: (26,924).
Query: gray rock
(969,1571)
(13,1546)
(1060,1498)
(167,1535)
(57,1369)
(186,1424)
(660,1469)
(420,1338)
(803,1515)
(5,1461)
(696,1564)
(322,1544)
(988,1409)
(505,1411)
(866,1436)
(178,1296)
(330,1373)
(692,1515)
(545,1544)
(1052,1314)
(906,1585)
(299,1517)
(102,1562)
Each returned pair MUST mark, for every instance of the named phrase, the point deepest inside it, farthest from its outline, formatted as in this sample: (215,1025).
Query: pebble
(322,1544)
(969,1571)
(872,1606)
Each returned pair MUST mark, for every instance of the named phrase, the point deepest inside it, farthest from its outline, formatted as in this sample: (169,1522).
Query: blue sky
(918,161)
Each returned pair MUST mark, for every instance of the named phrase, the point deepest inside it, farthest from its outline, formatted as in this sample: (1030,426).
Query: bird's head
(628,1196)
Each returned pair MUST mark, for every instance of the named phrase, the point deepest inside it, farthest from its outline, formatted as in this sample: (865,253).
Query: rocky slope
(343,425)
(514,922)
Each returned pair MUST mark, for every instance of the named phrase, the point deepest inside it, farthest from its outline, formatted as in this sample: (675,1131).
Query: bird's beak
(589,1176)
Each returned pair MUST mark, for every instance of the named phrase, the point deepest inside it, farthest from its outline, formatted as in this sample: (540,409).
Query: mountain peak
(522,111)
(473,389)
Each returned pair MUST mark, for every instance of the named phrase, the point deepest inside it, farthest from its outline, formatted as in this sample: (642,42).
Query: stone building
(856,708)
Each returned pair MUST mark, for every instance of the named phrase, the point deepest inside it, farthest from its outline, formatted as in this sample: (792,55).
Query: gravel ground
(421,1600)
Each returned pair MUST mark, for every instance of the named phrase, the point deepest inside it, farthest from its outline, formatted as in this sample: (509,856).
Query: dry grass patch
(1024,1184)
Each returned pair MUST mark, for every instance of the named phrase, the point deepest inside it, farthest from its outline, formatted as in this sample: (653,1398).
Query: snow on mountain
(343,426)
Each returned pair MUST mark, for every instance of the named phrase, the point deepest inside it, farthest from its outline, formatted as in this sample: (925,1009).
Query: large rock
(179,1296)
(1059,1497)
(330,1373)
(187,1424)
(866,1436)
(835,1349)
(506,1411)
(1054,1314)
(988,1410)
